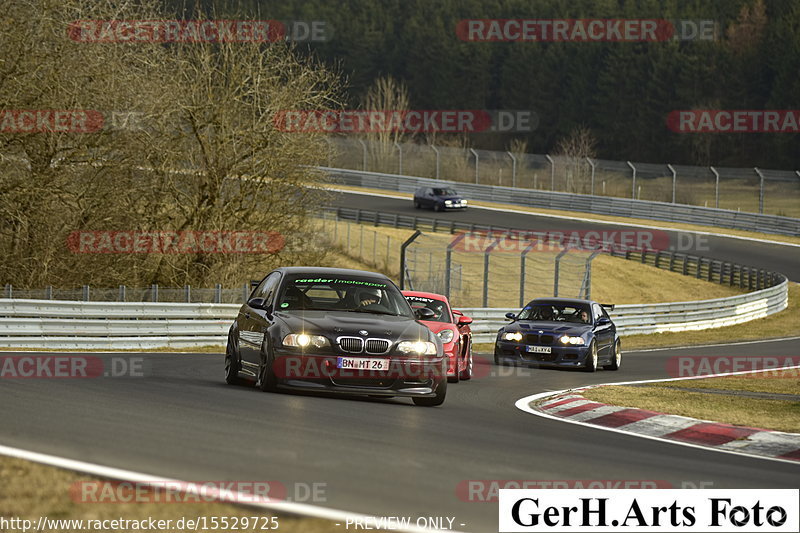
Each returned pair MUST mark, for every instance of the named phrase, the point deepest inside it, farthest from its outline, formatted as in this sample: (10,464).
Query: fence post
(187,291)
(122,293)
(591,164)
(85,293)
(399,158)
(587,277)
(552,172)
(760,191)
(486,254)
(522,272)
(403,247)
(513,169)
(448,264)
(9,290)
(436,151)
(474,153)
(633,185)
(154,292)
(556,269)
(364,155)
(245,292)
(218,293)
(716,187)
(674,180)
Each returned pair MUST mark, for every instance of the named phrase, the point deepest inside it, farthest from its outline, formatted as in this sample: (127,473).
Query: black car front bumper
(560,355)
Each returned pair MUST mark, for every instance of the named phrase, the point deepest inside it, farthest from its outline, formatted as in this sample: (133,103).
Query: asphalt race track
(783,259)
(378,457)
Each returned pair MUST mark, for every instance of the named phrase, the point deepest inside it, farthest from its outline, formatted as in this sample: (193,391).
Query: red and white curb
(571,406)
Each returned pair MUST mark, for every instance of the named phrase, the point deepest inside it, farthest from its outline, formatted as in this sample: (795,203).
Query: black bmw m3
(335,330)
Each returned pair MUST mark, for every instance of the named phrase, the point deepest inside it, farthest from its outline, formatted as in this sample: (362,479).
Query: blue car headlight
(515,336)
(575,341)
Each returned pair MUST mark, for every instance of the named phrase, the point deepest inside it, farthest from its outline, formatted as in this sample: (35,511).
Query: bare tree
(390,96)
(571,153)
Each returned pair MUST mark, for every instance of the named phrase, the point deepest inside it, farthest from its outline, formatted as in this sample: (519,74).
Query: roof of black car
(330,271)
(562,300)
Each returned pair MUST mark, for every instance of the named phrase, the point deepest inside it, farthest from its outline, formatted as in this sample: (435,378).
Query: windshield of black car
(444,192)
(439,307)
(342,293)
(556,312)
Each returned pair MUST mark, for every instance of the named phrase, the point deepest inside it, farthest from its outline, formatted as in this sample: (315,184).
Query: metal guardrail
(99,325)
(599,205)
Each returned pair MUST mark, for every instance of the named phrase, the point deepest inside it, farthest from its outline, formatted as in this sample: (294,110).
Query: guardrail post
(436,151)
(218,293)
(48,292)
(716,187)
(9,290)
(593,165)
(674,181)
(760,191)
(85,293)
(633,183)
(403,247)
(121,297)
(552,172)
(399,158)
(154,292)
(364,155)
(475,154)
(513,169)
(187,292)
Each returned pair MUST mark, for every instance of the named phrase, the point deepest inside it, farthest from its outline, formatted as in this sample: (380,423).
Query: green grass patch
(673,397)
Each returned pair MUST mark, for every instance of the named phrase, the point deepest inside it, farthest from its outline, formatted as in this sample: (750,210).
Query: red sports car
(452,327)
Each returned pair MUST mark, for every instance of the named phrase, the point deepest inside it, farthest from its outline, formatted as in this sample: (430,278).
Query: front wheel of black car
(591,358)
(417,205)
(438,208)
(616,358)
(231,364)
(441,392)
(267,381)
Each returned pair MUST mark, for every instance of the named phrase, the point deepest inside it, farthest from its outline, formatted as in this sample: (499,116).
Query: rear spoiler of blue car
(610,307)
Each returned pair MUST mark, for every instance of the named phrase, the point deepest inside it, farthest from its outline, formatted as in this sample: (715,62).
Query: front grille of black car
(377,346)
(546,339)
(357,345)
(351,344)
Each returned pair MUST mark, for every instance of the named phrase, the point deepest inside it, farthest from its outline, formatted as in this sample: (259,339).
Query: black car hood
(535,326)
(449,197)
(342,323)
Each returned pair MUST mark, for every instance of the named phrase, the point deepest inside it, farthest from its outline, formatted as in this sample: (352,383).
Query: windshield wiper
(373,312)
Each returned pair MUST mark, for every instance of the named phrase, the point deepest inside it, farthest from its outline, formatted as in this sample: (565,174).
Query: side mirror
(511,316)
(464,320)
(259,303)
(603,321)
(423,313)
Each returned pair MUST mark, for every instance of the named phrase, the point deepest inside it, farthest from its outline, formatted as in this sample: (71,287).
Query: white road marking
(304,509)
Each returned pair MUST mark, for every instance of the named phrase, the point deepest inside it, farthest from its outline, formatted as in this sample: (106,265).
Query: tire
(416,205)
(231,364)
(454,377)
(591,358)
(466,375)
(267,381)
(616,358)
(498,361)
(441,392)
(438,208)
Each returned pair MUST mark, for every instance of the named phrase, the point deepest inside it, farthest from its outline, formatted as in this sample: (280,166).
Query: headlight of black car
(416,348)
(303,340)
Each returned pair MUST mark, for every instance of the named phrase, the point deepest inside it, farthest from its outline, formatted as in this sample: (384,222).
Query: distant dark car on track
(335,330)
(453,329)
(438,198)
(560,332)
